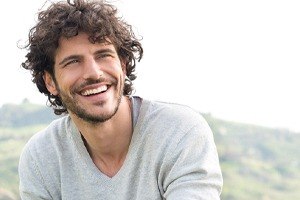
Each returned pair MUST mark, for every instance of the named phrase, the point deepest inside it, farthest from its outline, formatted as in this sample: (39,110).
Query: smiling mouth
(94,91)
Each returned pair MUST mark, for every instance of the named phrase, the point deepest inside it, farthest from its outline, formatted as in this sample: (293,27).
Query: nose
(92,70)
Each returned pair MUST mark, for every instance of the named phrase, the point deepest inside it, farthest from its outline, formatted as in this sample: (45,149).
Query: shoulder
(39,160)
(55,130)
(43,143)
(172,114)
(174,124)
(186,151)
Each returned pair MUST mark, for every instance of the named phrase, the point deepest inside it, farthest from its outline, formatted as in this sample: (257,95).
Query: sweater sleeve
(193,170)
(32,185)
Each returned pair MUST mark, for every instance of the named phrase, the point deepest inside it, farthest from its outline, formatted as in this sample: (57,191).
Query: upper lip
(87,89)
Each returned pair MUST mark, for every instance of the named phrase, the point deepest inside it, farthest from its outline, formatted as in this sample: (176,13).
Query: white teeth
(94,91)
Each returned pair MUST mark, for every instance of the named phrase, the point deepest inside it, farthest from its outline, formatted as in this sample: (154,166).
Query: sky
(238,60)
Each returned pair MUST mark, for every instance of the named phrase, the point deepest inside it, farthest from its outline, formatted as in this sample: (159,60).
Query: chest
(137,181)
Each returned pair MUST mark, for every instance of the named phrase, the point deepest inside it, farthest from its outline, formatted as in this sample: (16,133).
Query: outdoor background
(235,61)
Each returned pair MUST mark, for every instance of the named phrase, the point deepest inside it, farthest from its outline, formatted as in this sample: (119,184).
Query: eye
(71,62)
(104,55)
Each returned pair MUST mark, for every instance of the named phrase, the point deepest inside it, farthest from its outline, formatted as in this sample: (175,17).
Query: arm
(194,170)
(32,185)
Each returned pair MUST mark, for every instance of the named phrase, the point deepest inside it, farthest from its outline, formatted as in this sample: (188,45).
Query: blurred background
(234,61)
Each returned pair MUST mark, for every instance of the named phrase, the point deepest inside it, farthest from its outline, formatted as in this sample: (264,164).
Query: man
(109,145)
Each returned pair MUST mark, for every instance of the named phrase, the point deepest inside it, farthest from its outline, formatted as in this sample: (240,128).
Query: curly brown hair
(66,19)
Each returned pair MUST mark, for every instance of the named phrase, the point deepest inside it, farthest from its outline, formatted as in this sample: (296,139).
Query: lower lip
(97,97)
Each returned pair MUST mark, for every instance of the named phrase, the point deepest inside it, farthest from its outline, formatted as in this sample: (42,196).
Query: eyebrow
(71,57)
(105,50)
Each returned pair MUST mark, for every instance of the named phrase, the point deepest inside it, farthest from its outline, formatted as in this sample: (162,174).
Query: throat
(110,167)
(108,164)
(108,143)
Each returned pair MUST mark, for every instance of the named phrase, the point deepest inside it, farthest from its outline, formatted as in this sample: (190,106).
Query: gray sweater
(172,155)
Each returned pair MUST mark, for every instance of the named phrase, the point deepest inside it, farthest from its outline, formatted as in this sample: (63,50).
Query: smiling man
(88,77)
(109,144)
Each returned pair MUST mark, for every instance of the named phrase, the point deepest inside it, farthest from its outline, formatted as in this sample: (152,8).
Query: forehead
(80,44)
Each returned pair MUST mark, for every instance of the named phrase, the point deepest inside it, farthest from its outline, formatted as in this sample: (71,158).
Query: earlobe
(50,84)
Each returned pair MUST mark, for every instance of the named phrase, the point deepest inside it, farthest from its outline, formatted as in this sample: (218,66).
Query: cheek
(66,80)
(116,70)
(67,77)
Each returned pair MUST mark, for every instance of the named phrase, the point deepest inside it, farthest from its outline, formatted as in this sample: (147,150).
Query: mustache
(88,82)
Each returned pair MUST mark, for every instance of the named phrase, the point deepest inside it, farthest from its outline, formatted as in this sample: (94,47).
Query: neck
(108,142)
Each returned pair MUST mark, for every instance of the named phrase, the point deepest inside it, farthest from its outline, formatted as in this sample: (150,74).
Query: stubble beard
(72,105)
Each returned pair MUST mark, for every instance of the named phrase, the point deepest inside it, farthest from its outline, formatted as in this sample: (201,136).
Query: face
(89,78)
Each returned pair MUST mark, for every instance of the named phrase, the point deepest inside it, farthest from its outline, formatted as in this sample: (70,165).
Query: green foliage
(17,124)
(12,140)
(257,162)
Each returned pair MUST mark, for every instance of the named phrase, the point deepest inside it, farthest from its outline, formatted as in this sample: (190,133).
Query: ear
(50,84)
(123,65)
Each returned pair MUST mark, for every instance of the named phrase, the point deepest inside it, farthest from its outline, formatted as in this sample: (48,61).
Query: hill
(24,114)
(257,162)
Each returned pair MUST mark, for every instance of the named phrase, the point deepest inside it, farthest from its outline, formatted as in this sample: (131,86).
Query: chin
(104,112)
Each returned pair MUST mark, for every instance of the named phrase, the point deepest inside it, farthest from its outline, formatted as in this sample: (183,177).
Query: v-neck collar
(87,161)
